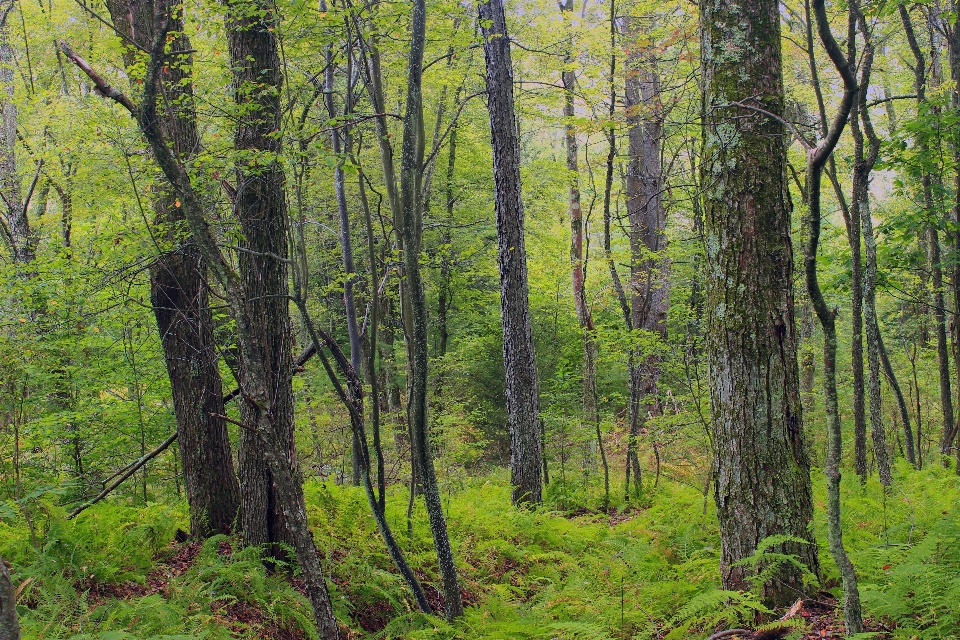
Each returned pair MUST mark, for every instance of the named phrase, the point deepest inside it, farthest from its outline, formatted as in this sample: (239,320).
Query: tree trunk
(577,261)
(817,159)
(411,205)
(9,626)
(178,293)
(22,239)
(953,50)
(761,468)
(519,362)
(648,266)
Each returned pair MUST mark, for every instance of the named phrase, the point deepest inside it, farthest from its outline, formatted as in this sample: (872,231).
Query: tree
(257,295)
(817,159)
(411,204)
(523,401)
(178,294)
(649,288)
(761,469)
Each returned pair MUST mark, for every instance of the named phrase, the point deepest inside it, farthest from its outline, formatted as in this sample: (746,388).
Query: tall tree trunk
(261,211)
(953,51)
(9,625)
(21,237)
(648,265)
(864,160)
(590,348)
(856,269)
(523,397)
(761,468)
(817,159)
(933,248)
(411,205)
(178,293)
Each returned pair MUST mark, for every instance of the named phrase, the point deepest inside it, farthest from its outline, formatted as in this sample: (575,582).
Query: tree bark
(9,625)
(21,237)
(522,391)
(577,261)
(178,293)
(411,206)
(761,468)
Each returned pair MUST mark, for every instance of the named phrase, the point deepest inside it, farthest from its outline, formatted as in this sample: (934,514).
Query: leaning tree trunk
(518,357)
(411,207)
(178,293)
(761,468)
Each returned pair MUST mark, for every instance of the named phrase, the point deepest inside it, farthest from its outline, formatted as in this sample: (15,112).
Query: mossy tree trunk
(761,468)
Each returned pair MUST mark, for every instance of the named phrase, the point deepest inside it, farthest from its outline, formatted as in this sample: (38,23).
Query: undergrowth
(649,572)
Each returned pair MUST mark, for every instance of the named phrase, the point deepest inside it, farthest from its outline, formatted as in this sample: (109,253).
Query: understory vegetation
(646,571)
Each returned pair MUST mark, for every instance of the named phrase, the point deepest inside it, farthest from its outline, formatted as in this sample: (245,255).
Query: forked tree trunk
(761,468)
(523,401)
(817,159)
(178,293)
(411,207)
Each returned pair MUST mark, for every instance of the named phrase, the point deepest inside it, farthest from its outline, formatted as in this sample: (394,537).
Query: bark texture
(180,302)
(761,468)
(21,238)
(518,356)
(9,625)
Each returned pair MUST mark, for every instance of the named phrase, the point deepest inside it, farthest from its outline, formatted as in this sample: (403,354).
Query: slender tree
(9,625)
(817,158)
(412,209)
(761,469)
(591,350)
(523,401)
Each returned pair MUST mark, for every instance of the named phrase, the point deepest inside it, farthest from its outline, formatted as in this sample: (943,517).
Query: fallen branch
(116,483)
(132,468)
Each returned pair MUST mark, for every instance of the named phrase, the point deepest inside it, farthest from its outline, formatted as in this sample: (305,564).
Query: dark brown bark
(180,302)
(761,468)
(523,398)
(953,53)
(9,625)
(259,386)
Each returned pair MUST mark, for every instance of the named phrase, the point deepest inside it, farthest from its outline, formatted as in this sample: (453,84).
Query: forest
(438,319)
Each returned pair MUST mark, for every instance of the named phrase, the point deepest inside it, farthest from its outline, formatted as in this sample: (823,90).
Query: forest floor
(570,572)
